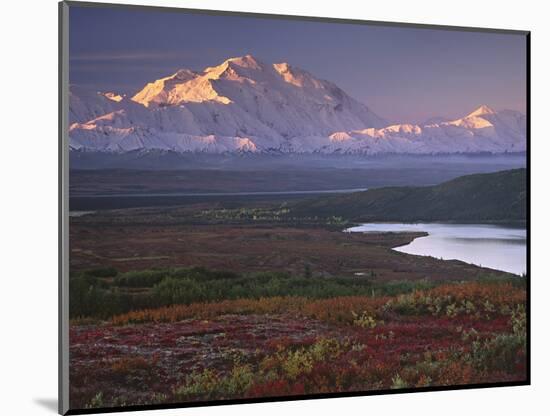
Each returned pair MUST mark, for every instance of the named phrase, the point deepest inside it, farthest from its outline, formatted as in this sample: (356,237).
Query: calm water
(497,247)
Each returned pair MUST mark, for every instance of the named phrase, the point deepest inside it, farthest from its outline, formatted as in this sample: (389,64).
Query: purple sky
(402,74)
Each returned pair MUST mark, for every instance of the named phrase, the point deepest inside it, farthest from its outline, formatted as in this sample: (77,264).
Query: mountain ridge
(245,105)
(482,197)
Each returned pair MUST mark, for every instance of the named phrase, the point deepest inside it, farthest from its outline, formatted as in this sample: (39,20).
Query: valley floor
(193,304)
(268,247)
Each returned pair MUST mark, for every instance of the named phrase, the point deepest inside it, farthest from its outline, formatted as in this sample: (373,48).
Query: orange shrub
(482,296)
(128,364)
(333,310)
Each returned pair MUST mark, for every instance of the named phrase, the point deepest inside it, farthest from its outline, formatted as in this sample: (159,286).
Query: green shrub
(210,384)
(93,296)
(84,296)
(364,320)
(144,278)
(398,383)
(498,353)
(95,402)
(202,274)
(179,291)
(504,351)
(90,297)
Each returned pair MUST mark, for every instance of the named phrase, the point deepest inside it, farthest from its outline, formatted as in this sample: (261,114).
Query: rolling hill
(492,197)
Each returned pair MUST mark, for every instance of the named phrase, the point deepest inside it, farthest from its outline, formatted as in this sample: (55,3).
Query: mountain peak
(482,111)
(235,67)
(184,74)
(246,61)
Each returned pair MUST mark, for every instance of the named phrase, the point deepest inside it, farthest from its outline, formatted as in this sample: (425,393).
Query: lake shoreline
(512,223)
(494,246)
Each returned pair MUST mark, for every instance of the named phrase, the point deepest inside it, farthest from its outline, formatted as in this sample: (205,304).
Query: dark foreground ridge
(491,197)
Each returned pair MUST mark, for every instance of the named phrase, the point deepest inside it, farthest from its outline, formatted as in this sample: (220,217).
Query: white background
(28,143)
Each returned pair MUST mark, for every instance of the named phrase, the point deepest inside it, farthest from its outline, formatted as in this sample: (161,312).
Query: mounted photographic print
(264,208)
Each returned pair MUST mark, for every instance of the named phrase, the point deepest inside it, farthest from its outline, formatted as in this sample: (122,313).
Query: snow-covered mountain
(245,105)
(483,130)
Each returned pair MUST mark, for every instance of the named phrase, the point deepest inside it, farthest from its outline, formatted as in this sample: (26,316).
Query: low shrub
(211,384)
(99,297)
(470,298)
(144,278)
(503,351)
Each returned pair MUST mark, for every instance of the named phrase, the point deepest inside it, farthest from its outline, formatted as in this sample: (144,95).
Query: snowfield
(245,105)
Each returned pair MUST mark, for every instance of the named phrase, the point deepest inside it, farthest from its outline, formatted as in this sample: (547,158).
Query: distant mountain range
(246,106)
(489,197)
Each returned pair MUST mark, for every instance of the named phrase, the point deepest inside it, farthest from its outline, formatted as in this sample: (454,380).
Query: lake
(494,246)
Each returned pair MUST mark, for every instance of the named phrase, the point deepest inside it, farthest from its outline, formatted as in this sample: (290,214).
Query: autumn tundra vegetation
(240,298)
(192,334)
(245,230)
